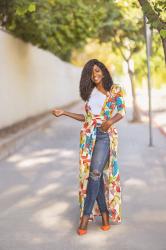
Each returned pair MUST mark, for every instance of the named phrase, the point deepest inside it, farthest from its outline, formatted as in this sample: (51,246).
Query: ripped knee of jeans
(95,175)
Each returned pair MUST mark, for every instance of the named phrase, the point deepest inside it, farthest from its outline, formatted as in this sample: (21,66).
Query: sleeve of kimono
(120,102)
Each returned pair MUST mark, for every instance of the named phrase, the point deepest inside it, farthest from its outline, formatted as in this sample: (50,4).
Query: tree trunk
(164,46)
(151,16)
(136,112)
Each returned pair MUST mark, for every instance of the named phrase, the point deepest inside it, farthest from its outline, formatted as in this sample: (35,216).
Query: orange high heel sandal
(84,221)
(105,227)
(81,231)
(105,218)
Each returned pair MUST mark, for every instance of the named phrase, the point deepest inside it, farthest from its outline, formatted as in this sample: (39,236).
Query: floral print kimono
(112,187)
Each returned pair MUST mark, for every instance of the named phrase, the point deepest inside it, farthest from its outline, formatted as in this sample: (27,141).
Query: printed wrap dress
(112,188)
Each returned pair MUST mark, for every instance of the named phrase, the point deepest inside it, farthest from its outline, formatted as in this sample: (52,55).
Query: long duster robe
(112,187)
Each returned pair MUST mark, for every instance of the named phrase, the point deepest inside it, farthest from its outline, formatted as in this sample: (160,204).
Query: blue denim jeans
(95,186)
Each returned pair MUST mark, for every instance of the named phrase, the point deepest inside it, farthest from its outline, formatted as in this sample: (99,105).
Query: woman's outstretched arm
(59,112)
(78,117)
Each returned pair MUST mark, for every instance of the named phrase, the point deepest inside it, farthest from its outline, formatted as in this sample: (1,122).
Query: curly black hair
(86,83)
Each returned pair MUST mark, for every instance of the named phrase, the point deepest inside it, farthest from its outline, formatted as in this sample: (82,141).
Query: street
(39,207)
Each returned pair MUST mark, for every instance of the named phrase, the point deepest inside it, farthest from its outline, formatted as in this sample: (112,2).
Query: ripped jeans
(95,186)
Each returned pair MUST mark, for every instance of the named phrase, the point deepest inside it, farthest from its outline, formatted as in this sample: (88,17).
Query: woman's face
(97,75)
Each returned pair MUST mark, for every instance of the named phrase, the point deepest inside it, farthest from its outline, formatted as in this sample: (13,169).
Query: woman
(99,179)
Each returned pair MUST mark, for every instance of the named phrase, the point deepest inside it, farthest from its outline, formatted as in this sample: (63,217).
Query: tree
(155,11)
(123,26)
(54,25)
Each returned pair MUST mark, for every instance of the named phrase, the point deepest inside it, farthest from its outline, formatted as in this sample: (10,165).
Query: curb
(156,124)
(12,143)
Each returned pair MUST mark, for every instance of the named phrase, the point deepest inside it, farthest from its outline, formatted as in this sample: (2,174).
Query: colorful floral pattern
(114,99)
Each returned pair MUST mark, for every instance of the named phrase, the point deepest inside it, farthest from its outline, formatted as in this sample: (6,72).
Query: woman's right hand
(58,112)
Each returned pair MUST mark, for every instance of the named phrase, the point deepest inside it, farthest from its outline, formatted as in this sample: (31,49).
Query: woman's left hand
(105,126)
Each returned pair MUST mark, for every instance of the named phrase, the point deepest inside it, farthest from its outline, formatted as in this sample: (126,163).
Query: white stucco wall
(32,80)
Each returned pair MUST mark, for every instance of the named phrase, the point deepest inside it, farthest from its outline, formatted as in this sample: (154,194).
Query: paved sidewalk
(39,189)
(158,105)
